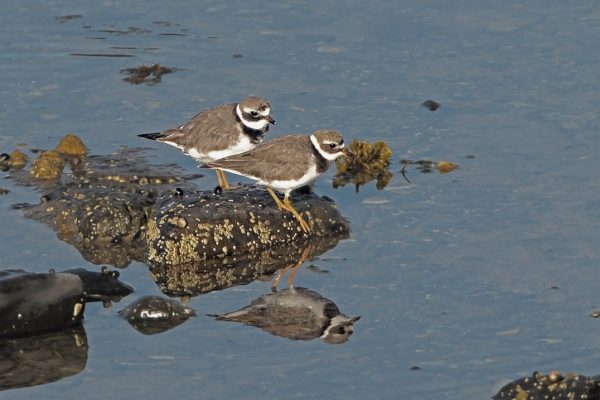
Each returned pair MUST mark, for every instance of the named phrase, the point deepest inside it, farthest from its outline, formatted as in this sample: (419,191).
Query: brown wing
(277,159)
(212,129)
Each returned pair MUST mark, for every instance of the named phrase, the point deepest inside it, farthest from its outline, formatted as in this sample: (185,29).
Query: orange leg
(288,206)
(222,178)
(277,201)
(294,269)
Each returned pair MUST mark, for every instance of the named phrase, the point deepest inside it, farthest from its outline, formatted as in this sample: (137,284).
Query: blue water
(477,277)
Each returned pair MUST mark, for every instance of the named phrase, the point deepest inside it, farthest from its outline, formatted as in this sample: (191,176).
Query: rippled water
(475,277)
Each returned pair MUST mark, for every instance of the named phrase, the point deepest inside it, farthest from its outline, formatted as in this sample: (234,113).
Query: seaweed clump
(149,74)
(364,163)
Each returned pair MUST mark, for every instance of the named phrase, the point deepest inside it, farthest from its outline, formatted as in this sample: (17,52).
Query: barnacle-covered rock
(102,207)
(366,162)
(48,165)
(239,221)
(551,386)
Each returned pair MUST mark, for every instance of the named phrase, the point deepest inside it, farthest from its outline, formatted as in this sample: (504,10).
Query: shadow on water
(37,360)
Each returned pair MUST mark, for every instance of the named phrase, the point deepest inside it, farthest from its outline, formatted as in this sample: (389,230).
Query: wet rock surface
(199,225)
(152,314)
(101,286)
(32,303)
(552,386)
(102,207)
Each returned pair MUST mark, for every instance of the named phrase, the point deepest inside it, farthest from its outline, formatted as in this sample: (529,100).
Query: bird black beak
(271,120)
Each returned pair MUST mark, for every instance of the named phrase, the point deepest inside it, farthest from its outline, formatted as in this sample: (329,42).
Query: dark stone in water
(152,314)
(32,303)
(101,286)
(431,105)
(41,359)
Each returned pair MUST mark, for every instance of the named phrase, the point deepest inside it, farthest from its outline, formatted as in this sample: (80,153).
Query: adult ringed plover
(220,132)
(286,163)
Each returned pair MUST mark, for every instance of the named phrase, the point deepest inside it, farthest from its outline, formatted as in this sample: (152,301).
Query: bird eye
(341,330)
(254,113)
(332,145)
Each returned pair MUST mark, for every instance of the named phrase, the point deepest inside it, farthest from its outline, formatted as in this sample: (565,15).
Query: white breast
(244,144)
(287,186)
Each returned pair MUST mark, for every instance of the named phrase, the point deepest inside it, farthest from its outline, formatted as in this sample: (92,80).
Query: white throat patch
(324,154)
(255,125)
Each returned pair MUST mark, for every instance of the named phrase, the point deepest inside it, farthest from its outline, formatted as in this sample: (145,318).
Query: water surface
(476,277)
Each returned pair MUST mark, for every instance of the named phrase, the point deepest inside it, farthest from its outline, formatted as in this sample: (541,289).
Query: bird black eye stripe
(254,113)
(332,145)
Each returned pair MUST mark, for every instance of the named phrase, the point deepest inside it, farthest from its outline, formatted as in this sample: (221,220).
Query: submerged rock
(41,359)
(152,314)
(297,314)
(32,303)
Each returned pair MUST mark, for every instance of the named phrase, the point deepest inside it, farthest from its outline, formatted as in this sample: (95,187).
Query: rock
(115,209)
(34,303)
(552,386)
(48,165)
(104,224)
(41,359)
(152,314)
(297,314)
(101,286)
(16,160)
(71,145)
(237,222)
(103,206)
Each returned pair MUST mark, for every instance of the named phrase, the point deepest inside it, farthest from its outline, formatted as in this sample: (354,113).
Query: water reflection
(218,274)
(296,314)
(37,360)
